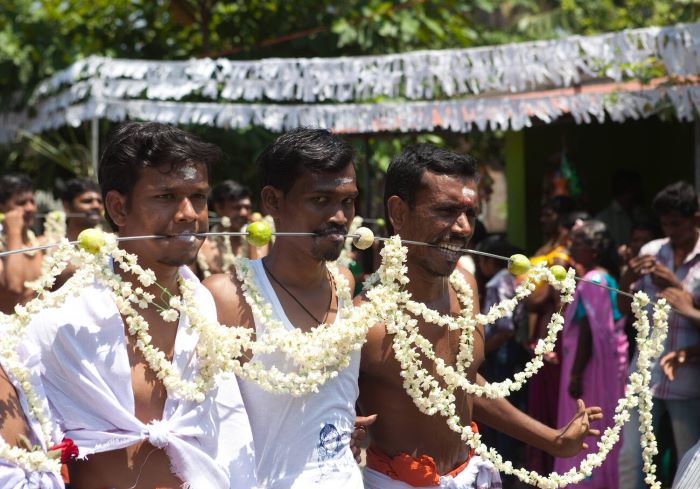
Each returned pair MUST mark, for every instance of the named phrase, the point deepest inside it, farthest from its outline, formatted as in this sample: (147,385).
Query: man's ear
(271,200)
(398,212)
(116,206)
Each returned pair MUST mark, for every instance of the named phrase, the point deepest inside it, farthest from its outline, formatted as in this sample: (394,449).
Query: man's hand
(14,222)
(569,441)
(640,265)
(671,361)
(360,433)
(681,300)
(664,277)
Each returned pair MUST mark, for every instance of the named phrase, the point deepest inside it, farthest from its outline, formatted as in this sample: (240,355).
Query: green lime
(518,264)
(259,233)
(559,272)
(91,240)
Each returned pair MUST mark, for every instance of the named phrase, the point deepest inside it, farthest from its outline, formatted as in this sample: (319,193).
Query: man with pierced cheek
(431,196)
(132,429)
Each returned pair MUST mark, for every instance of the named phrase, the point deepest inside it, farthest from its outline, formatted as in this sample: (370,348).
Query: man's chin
(178,261)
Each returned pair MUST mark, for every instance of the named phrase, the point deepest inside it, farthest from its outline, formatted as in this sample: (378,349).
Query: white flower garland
(344,259)
(36,459)
(431,398)
(394,255)
(55,226)
(320,353)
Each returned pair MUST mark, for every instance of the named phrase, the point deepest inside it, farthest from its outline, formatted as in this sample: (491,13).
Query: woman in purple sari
(594,358)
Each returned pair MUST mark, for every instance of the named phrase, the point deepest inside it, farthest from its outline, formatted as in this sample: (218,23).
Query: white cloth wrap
(11,476)
(479,474)
(87,377)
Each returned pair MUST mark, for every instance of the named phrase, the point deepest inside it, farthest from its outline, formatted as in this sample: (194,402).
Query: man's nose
(462,225)
(340,217)
(186,211)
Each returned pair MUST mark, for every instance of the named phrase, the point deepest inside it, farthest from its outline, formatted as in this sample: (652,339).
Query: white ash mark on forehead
(468,193)
(187,172)
(344,180)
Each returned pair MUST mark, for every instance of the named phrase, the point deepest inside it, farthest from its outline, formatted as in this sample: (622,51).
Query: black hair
(137,145)
(571,218)
(678,197)
(302,149)
(498,244)
(598,238)
(229,190)
(14,183)
(405,173)
(76,186)
(561,205)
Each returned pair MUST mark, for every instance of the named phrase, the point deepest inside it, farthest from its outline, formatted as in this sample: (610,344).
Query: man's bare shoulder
(231,307)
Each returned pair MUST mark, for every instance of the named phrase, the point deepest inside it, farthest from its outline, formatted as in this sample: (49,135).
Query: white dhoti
(479,474)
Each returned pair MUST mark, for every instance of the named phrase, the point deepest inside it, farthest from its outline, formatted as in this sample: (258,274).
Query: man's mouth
(451,250)
(332,234)
(188,237)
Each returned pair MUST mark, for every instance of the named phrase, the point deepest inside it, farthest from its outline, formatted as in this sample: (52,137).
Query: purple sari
(603,378)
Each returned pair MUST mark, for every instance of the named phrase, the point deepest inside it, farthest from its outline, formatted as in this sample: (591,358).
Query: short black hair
(76,186)
(229,190)
(302,149)
(14,183)
(498,244)
(137,145)
(405,172)
(678,197)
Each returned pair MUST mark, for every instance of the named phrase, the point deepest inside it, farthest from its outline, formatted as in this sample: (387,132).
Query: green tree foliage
(40,37)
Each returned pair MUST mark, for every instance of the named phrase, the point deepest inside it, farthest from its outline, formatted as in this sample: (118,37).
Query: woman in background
(594,356)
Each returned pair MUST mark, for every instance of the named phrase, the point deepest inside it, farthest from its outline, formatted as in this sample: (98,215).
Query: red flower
(69,450)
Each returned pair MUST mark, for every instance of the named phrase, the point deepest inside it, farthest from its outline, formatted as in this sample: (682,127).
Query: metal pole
(697,155)
(368,180)
(94,144)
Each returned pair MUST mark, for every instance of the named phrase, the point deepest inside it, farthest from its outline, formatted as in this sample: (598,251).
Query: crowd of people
(95,377)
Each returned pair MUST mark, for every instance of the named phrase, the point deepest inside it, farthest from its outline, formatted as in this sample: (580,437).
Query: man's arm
(18,269)
(563,442)
(636,267)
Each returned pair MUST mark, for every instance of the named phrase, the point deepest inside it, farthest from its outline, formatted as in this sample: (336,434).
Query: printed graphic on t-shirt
(330,446)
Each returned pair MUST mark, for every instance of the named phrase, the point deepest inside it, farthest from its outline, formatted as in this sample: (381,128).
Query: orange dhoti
(405,471)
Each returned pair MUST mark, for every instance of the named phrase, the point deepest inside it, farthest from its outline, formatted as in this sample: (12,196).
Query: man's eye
(320,200)
(164,196)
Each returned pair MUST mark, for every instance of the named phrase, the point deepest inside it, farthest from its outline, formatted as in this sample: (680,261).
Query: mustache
(452,239)
(331,229)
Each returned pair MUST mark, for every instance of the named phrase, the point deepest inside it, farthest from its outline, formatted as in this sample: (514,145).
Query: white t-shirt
(302,442)
(87,378)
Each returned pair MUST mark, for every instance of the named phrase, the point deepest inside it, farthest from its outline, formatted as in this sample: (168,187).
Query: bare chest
(149,392)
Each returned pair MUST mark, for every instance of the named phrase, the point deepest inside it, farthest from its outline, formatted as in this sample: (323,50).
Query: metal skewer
(379,238)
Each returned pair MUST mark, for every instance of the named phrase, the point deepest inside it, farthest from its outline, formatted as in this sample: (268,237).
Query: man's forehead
(330,181)
(450,187)
(186,173)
